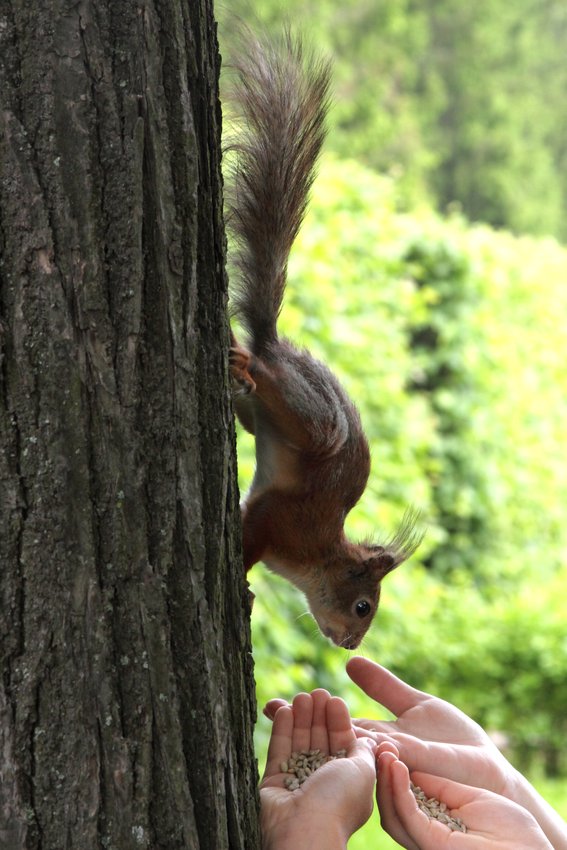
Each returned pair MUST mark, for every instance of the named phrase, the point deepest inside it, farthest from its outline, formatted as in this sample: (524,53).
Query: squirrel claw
(239,361)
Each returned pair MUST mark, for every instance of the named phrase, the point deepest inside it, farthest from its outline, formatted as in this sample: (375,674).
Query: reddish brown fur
(312,458)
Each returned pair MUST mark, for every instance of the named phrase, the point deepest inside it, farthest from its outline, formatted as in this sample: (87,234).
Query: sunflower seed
(433,808)
(300,766)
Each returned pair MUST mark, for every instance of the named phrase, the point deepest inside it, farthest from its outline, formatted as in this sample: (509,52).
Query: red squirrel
(312,457)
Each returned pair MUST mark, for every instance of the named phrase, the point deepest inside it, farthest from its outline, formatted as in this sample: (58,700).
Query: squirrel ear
(382,561)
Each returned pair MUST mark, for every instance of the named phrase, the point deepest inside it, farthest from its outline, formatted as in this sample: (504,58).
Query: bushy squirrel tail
(280,96)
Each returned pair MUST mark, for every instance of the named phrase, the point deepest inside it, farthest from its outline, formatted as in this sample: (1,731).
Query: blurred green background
(430,275)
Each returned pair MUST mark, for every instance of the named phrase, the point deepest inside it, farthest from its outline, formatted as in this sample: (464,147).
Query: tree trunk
(127,697)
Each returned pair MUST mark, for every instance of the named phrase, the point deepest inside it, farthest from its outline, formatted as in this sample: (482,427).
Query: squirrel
(312,457)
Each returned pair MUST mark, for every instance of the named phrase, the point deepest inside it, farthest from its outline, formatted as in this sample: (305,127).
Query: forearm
(554,827)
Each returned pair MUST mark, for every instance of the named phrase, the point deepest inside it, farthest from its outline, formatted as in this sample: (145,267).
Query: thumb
(383,686)
(365,750)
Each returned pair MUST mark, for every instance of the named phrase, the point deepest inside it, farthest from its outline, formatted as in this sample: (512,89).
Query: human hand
(492,822)
(433,736)
(337,798)
(423,728)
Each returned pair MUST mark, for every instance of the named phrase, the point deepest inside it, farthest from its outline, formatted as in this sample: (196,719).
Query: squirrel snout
(329,633)
(346,640)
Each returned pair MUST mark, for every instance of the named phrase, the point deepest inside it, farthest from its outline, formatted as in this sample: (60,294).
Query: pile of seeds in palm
(300,766)
(434,809)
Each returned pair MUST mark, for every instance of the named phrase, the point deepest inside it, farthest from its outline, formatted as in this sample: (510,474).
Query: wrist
(318,834)
(522,792)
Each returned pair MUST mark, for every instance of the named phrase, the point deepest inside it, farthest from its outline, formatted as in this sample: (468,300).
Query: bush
(450,339)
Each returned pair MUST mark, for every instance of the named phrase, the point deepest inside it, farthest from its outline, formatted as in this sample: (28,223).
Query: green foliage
(451,339)
(464,102)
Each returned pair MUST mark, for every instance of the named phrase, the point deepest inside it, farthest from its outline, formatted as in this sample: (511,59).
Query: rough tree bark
(126,697)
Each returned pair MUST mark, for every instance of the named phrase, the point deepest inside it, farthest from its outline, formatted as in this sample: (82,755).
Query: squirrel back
(281,92)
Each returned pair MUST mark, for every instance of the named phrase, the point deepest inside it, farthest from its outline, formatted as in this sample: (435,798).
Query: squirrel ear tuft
(400,547)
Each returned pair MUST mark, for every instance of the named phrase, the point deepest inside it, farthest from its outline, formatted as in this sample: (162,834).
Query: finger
(302,722)
(419,827)
(417,754)
(319,731)
(430,757)
(360,732)
(389,817)
(341,733)
(383,686)
(382,726)
(272,706)
(279,748)
(387,747)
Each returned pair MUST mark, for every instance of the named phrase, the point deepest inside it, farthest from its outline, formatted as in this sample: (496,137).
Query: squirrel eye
(362,608)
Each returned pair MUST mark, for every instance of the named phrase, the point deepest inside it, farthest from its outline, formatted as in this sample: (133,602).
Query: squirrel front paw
(239,363)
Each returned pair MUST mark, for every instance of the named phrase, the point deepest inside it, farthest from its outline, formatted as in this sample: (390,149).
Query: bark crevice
(126,670)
